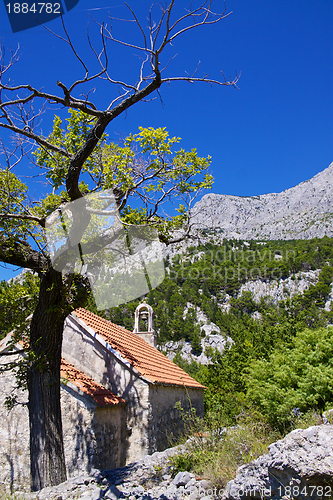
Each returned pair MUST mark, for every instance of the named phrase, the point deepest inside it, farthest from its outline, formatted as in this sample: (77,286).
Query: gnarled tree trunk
(46,443)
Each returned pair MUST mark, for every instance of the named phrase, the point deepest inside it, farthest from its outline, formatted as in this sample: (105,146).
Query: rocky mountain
(301,212)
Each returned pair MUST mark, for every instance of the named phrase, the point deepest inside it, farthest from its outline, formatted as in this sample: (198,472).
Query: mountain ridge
(300,212)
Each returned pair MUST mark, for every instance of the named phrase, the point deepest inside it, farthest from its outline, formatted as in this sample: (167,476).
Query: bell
(144,315)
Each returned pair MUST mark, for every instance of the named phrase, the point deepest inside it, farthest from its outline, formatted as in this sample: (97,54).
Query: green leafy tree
(144,167)
(298,375)
(18,300)
(78,160)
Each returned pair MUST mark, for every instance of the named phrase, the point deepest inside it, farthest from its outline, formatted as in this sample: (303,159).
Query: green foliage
(71,137)
(295,377)
(18,299)
(145,166)
(14,200)
(193,368)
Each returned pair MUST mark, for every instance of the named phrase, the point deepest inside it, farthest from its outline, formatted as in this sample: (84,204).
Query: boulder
(297,466)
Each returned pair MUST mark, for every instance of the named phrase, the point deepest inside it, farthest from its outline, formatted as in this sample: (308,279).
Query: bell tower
(145,312)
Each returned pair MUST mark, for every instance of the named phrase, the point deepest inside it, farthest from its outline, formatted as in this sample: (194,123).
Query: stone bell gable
(145,311)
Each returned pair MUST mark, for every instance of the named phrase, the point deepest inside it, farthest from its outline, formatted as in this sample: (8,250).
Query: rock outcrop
(217,341)
(147,479)
(280,289)
(212,340)
(301,212)
(298,466)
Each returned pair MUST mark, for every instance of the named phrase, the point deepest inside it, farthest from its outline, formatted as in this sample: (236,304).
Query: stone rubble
(148,479)
(299,467)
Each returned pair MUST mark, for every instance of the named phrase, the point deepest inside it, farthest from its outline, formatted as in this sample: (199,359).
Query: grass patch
(216,454)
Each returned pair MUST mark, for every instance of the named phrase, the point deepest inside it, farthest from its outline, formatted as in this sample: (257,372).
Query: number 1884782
(36,8)
(307,491)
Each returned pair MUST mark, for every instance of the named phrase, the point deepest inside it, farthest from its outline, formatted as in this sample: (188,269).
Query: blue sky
(271,133)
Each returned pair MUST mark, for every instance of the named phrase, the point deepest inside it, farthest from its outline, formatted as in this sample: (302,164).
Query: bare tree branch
(138,23)
(206,79)
(127,44)
(201,12)
(37,138)
(9,155)
(88,107)
(97,132)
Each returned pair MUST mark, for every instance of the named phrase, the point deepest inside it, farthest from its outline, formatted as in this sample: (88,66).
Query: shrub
(298,376)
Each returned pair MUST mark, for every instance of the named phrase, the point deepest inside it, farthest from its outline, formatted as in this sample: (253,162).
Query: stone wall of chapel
(14,435)
(92,358)
(165,420)
(93,436)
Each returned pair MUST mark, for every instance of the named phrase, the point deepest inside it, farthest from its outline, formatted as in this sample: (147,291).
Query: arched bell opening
(144,316)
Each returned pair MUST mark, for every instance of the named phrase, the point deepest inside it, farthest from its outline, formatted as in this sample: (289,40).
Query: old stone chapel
(118,398)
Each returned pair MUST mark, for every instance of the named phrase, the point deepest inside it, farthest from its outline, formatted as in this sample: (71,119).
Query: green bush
(295,378)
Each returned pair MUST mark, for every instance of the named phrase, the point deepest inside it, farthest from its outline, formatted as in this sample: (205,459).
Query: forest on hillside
(279,358)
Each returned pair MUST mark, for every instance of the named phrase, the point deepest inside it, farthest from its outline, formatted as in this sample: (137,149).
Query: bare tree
(21,225)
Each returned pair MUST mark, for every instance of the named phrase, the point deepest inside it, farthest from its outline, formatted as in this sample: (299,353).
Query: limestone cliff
(301,212)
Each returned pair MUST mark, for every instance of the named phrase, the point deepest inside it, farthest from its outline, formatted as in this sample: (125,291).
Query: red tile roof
(147,360)
(100,395)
